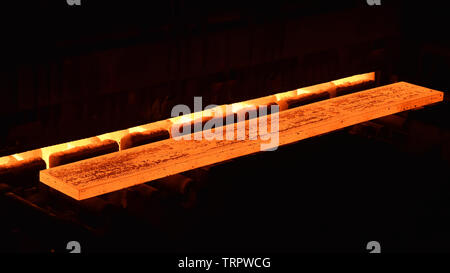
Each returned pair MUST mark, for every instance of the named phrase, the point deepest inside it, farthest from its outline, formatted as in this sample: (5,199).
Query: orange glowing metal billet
(119,170)
(330,87)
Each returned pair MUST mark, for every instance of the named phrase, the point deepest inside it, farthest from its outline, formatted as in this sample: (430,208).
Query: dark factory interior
(72,72)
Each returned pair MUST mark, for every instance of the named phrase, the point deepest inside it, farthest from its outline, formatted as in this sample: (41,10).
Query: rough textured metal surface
(134,166)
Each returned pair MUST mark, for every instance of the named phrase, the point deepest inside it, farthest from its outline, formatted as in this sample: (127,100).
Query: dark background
(71,72)
(74,72)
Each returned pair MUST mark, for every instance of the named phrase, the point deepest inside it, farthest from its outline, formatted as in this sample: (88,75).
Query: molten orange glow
(182,119)
(285,95)
(137,129)
(355,79)
(116,136)
(236,107)
(217,111)
(85,179)
(5,160)
(261,101)
(291,94)
(31,154)
(47,151)
(302,91)
(196,116)
(18,157)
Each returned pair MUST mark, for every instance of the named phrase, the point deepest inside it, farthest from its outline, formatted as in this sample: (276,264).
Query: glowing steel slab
(115,171)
